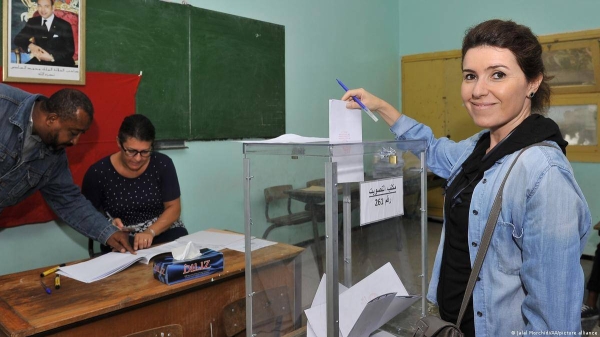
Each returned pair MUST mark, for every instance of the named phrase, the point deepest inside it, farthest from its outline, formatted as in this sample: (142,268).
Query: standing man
(34,131)
(47,38)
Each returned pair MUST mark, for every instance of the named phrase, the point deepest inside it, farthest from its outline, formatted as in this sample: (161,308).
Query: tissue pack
(170,271)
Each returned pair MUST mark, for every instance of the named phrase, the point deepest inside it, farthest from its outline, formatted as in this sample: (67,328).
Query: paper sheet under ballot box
(364,307)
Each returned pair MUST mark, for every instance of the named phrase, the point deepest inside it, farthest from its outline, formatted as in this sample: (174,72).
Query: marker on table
(357,100)
(51,270)
(57,281)
(48,291)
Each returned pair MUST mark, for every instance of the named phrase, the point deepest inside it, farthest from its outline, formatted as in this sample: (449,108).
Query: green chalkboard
(238,82)
(206,75)
(129,36)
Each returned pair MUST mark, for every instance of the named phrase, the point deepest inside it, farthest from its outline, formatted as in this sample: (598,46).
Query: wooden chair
(320,208)
(272,314)
(274,195)
(172,330)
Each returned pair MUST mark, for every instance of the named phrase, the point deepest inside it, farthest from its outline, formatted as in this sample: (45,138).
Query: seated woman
(137,187)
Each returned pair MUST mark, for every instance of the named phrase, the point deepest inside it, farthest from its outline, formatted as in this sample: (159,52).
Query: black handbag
(433,326)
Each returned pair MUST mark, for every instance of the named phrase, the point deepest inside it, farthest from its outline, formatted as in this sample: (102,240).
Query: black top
(133,200)
(456,264)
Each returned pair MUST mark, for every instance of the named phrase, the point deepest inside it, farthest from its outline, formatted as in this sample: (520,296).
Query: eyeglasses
(133,153)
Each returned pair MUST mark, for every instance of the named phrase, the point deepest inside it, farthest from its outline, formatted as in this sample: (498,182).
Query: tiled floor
(388,241)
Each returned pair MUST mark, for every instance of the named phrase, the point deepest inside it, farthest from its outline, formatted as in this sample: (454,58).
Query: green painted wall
(440,25)
(325,40)
(357,41)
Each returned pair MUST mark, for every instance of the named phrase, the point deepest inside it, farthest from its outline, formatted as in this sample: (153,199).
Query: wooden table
(132,300)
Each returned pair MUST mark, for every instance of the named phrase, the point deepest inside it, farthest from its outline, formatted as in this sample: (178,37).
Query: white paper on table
(212,240)
(345,126)
(255,244)
(288,138)
(381,199)
(111,263)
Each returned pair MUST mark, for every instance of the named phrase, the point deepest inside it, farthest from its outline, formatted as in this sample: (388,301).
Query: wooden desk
(132,300)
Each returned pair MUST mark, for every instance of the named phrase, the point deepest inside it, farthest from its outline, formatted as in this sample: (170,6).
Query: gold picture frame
(48,51)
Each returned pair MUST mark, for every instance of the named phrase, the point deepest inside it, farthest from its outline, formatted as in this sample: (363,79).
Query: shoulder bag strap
(487,237)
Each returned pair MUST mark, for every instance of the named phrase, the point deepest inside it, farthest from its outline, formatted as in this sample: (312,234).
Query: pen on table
(51,270)
(48,291)
(357,100)
(57,281)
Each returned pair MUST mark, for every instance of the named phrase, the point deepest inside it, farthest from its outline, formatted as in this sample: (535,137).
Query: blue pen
(357,100)
(48,291)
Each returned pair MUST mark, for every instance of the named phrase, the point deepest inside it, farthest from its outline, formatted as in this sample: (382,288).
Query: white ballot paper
(345,126)
(364,307)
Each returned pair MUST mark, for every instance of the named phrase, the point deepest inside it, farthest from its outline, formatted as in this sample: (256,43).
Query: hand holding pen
(372,102)
(117,222)
(358,101)
(119,241)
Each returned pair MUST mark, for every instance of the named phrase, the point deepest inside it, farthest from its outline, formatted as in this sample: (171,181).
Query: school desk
(132,300)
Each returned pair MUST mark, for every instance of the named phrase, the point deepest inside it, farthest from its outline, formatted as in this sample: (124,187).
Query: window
(573,60)
(577,117)
(572,66)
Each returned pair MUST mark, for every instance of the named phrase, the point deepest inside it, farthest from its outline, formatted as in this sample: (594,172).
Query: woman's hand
(142,240)
(374,103)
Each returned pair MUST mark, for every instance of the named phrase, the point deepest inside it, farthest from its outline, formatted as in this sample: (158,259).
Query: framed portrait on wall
(44,41)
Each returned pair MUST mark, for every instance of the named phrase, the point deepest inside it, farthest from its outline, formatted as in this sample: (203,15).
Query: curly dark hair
(522,43)
(65,103)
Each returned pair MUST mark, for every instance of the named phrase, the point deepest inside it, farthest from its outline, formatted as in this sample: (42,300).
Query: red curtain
(113,97)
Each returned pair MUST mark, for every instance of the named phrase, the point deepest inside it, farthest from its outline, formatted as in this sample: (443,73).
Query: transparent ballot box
(335,238)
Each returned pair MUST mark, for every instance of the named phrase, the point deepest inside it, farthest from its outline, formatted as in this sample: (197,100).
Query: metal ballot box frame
(316,184)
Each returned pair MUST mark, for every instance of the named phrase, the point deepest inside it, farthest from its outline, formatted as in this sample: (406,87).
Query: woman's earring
(531,95)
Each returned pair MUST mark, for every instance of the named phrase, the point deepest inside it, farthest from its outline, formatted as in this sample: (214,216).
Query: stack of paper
(112,263)
(364,307)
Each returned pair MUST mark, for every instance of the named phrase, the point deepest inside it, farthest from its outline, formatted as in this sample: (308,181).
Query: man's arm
(69,204)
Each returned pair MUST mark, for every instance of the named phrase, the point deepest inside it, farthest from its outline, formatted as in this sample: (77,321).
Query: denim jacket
(47,172)
(531,278)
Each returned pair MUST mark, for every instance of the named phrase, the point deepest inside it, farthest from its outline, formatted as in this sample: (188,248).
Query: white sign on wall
(381,199)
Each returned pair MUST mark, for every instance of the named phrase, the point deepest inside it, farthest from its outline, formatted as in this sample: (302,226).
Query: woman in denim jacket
(531,279)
